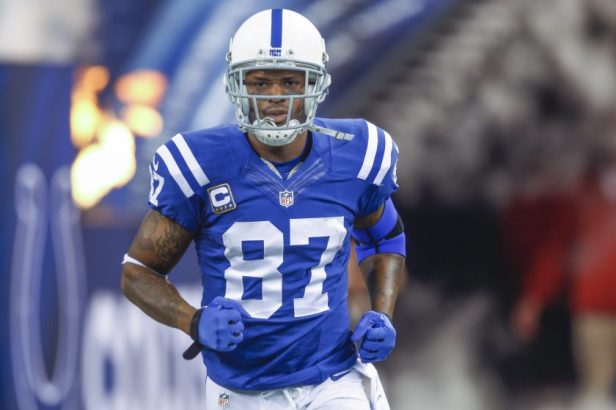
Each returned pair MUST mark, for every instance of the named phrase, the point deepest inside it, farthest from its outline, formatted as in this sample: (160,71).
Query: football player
(271,206)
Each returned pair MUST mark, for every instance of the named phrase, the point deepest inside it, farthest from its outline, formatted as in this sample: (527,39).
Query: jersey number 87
(300,230)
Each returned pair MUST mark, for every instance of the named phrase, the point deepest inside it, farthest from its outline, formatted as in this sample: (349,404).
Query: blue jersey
(278,246)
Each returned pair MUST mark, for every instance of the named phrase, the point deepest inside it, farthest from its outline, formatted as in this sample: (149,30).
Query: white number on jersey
(156,184)
(266,268)
(301,230)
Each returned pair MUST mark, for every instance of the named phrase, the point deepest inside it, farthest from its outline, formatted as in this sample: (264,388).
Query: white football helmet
(277,39)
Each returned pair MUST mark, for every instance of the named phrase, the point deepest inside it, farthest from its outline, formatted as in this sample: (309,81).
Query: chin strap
(339,135)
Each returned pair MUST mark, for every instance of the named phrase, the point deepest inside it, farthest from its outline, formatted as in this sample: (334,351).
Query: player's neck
(283,153)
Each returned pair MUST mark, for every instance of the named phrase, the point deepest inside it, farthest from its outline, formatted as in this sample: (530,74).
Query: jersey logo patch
(223,400)
(221,198)
(286,198)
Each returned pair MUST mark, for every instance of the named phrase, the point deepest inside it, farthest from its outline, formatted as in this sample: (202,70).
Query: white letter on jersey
(220,196)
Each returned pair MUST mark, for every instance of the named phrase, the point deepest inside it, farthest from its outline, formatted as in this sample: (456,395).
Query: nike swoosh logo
(340,375)
(155,165)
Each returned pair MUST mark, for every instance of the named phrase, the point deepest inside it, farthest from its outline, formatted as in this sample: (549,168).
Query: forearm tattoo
(159,245)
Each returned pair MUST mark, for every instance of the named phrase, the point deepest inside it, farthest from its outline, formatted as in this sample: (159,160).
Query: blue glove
(379,337)
(219,325)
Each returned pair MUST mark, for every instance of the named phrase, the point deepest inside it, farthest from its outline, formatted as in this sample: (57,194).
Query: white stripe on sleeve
(174,170)
(373,141)
(386,163)
(190,159)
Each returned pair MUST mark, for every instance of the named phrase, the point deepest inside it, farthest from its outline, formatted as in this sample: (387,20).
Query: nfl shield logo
(223,400)
(286,198)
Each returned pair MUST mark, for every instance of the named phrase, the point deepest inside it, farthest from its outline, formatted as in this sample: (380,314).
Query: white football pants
(360,389)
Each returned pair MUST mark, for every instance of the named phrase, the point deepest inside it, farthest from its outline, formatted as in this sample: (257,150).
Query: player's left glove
(377,336)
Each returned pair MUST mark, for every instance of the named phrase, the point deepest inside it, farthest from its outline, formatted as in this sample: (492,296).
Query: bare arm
(159,244)
(389,274)
(359,298)
(387,270)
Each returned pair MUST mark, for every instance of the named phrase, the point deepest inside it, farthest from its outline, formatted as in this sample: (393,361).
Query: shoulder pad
(199,158)
(369,156)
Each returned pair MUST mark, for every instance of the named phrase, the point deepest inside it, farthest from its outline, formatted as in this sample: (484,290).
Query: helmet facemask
(316,84)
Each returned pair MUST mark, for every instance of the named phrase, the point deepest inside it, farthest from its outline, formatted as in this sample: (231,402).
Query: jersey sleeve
(171,193)
(382,174)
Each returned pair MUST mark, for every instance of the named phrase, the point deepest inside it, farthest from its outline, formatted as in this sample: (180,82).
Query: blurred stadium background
(502,110)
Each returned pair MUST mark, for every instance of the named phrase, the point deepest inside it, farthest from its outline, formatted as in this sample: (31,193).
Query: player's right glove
(376,336)
(217,326)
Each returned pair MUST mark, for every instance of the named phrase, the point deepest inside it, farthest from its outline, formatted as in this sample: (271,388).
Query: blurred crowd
(514,95)
(512,113)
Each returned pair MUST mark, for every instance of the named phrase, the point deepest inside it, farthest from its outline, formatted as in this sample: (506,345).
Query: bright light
(88,177)
(143,121)
(85,117)
(106,159)
(101,167)
(118,144)
(141,87)
(95,78)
